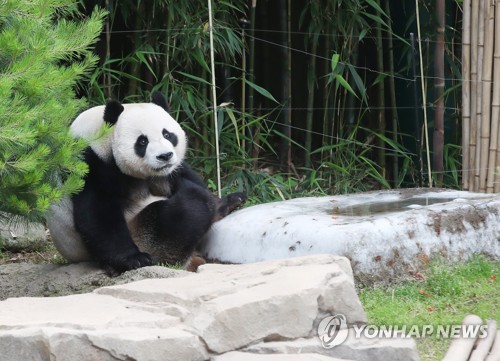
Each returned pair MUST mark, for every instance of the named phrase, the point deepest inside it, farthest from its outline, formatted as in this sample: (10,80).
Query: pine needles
(42,56)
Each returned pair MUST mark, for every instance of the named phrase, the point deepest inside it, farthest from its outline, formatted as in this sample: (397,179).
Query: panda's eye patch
(140,145)
(170,137)
(142,140)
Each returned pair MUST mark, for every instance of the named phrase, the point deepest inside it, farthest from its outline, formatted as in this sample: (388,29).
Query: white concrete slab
(383,233)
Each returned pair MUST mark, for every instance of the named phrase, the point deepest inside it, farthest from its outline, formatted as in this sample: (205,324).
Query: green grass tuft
(448,293)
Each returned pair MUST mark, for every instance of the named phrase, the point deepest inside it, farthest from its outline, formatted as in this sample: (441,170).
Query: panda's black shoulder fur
(183,173)
(98,214)
(104,176)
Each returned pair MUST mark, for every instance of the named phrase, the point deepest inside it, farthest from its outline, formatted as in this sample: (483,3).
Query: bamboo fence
(481,95)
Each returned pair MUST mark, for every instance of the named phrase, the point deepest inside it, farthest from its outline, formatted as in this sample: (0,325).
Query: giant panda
(141,202)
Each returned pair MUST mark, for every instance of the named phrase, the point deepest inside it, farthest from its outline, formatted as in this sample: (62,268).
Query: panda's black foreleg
(100,221)
(224,205)
(229,203)
(170,229)
(98,214)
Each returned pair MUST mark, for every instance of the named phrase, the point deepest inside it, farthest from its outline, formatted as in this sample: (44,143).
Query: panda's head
(145,140)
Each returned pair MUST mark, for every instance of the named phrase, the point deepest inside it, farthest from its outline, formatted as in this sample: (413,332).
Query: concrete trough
(383,233)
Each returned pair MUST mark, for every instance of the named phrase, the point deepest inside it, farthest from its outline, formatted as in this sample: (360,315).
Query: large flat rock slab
(358,348)
(384,233)
(212,315)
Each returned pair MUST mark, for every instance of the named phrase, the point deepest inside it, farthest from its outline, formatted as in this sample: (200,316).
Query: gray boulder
(223,312)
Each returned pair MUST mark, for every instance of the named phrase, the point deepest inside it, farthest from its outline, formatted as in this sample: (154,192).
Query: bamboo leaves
(265,93)
(336,75)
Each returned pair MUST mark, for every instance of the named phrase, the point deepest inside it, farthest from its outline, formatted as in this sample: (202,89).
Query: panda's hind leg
(170,229)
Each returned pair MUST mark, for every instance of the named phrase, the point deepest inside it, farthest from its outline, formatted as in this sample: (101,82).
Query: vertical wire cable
(429,170)
(214,96)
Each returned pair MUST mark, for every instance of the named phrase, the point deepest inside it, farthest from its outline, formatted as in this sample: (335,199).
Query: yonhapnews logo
(333,331)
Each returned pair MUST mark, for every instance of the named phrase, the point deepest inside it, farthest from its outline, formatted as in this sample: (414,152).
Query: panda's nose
(165,157)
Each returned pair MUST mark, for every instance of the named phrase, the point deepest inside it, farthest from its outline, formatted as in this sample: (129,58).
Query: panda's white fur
(138,119)
(142,118)
(63,233)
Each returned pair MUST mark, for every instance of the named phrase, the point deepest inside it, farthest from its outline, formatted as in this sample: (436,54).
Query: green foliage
(164,45)
(169,55)
(44,50)
(446,293)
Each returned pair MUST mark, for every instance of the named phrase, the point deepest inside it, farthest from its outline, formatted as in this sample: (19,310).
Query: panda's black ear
(160,100)
(112,111)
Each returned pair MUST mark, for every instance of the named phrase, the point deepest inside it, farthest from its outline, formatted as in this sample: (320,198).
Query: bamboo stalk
(311,81)
(285,57)
(205,93)
(495,108)
(466,85)
(426,131)
(243,88)
(327,116)
(289,75)
(495,116)
(473,93)
(214,96)
(479,91)
(439,84)
(251,65)
(381,98)
(418,132)
(251,62)
(325,95)
(489,12)
(392,94)
(135,70)
(107,77)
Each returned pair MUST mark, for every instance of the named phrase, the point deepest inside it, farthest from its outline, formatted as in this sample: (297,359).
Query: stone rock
(244,356)
(284,296)
(125,343)
(209,314)
(35,280)
(360,349)
(384,234)
(20,236)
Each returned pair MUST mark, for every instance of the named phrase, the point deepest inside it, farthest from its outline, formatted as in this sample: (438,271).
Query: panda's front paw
(235,200)
(226,205)
(121,263)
